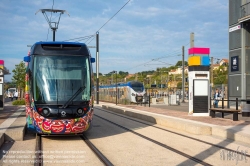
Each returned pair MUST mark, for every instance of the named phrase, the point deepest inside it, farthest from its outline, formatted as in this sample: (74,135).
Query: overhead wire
(81,38)
(177,53)
(147,63)
(113,16)
(110,19)
(106,22)
(92,37)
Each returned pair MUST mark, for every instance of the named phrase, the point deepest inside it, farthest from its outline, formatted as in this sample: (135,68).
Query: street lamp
(115,86)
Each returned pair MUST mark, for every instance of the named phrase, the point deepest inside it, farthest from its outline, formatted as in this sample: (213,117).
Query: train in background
(125,91)
(59,91)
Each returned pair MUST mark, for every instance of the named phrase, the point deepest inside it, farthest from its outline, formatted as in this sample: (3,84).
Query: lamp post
(115,86)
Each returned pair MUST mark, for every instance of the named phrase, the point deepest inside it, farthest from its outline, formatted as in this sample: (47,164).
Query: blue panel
(205,61)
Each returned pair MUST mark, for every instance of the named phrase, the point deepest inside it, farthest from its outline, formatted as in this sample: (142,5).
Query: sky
(143,35)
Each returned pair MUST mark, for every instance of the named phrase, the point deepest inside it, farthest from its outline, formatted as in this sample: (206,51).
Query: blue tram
(59,88)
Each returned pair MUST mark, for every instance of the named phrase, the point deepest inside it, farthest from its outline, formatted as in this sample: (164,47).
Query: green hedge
(18,102)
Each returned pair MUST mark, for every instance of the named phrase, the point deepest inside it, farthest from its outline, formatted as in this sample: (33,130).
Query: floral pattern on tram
(55,126)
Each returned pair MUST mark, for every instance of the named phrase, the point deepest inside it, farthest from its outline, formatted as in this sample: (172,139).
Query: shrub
(18,102)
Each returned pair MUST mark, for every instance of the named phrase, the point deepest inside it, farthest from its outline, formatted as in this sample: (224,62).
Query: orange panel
(194,61)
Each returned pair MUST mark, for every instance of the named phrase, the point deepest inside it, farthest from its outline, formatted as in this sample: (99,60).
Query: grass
(18,102)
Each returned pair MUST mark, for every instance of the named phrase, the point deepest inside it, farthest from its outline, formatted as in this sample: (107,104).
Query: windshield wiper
(73,97)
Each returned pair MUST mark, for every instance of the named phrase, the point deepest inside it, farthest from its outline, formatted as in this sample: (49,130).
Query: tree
(19,77)
(179,85)
(220,75)
(179,63)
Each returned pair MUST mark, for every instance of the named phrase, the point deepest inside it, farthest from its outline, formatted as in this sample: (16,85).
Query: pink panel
(196,50)
(1,62)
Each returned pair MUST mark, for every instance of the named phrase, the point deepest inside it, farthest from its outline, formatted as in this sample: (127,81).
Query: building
(239,49)
(178,71)
(222,62)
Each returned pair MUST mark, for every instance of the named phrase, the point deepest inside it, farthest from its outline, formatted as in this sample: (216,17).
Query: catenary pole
(183,75)
(97,67)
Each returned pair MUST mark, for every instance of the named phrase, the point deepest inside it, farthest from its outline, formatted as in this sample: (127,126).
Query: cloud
(140,32)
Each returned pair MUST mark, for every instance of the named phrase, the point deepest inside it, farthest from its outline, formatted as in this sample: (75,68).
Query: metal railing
(222,102)
(236,102)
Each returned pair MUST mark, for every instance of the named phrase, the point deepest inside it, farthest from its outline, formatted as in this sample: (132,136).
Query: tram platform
(177,118)
(12,123)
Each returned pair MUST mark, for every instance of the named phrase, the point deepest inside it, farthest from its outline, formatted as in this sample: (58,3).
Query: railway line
(192,149)
(116,139)
(57,156)
(163,129)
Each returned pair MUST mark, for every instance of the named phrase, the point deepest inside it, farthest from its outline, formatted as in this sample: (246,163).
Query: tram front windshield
(57,78)
(137,86)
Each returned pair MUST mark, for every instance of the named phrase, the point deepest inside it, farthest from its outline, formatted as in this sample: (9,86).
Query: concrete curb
(183,124)
(231,134)
(16,130)
(179,124)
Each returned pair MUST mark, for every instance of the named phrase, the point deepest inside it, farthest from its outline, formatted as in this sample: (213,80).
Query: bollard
(149,101)
(236,103)
(222,103)
(210,102)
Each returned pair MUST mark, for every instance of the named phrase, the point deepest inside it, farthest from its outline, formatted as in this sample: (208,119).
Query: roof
(225,60)
(59,42)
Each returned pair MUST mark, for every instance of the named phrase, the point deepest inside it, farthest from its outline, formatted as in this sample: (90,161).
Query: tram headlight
(79,111)
(46,111)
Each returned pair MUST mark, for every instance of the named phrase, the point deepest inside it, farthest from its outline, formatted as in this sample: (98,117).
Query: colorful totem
(199,81)
(1,83)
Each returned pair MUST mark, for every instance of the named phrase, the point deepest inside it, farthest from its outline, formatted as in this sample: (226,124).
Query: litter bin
(246,109)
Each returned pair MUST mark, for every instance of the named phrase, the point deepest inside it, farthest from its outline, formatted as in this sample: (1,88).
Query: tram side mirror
(92,60)
(26,59)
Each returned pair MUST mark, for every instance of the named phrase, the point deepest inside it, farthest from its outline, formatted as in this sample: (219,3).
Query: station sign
(234,28)
(234,63)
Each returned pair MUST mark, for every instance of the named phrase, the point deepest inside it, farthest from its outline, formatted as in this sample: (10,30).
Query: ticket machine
(199,81)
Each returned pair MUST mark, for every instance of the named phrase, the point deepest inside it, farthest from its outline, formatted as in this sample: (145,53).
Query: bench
(224,110)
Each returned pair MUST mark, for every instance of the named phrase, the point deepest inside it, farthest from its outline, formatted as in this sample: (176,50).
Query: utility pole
(116,88)
(192,40)
(183,75)
(97,67)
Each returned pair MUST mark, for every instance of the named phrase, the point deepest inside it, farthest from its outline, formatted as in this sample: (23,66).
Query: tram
(128,91)
(59,91)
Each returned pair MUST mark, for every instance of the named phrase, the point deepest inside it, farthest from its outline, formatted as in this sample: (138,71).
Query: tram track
(38,161)
(100,155)
(158,143)
(179,134)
